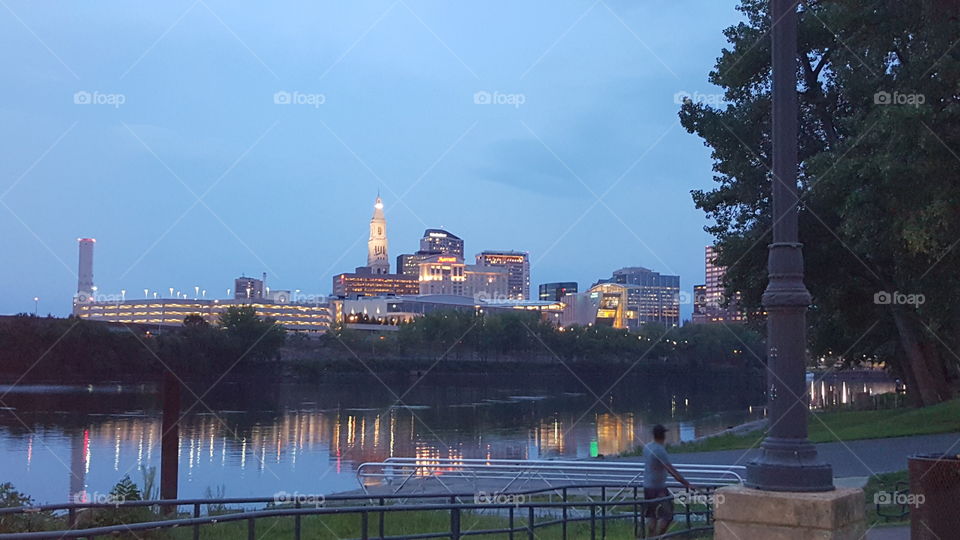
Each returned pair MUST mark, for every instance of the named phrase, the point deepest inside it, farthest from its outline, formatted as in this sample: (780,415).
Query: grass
(884,482)
(332,527)
(849,426)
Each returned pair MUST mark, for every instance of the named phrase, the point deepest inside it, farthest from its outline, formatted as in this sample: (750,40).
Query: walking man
(656,466)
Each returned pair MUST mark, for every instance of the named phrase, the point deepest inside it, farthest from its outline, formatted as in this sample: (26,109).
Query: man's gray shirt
(654,470)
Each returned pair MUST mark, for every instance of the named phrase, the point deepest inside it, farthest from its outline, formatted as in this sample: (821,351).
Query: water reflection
(264,438)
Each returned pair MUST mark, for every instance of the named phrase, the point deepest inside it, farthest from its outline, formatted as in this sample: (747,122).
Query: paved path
(889,533)
(852,458)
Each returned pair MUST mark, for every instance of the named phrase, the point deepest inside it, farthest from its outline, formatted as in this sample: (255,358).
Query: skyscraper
(377,259)
(716,306)
(85,287)
(441,241)
(517,264)
(655,297)
(554,292)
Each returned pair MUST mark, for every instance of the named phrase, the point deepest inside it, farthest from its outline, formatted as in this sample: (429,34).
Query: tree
(879,149)
(249,336)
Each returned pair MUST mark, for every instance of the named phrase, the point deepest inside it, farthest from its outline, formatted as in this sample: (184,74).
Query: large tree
(879,176)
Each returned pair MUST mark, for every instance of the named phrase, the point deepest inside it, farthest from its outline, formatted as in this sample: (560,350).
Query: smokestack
(85,269)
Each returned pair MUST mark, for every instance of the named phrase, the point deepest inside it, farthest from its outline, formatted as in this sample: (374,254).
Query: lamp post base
(789,465)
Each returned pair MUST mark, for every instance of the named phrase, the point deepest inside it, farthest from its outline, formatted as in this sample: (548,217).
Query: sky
(200,140)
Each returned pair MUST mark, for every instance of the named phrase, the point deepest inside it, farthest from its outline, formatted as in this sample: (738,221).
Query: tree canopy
(879,177)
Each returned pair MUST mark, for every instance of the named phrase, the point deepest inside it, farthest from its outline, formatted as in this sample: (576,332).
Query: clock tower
(377,258)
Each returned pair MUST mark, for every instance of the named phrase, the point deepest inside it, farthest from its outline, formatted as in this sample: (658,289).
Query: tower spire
(377,259)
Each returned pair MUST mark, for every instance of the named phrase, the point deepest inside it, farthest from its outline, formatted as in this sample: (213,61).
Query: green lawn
(885,482)
(850,425)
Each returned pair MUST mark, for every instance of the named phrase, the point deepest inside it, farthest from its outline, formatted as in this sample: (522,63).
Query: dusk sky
(180,163)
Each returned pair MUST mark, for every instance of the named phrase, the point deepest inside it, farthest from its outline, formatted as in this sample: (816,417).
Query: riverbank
(834,426)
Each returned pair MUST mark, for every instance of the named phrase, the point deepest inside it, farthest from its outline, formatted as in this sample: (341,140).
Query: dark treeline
(240,343)
(462,335)
(72,349)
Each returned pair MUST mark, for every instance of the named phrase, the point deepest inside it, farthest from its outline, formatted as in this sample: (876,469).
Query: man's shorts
(662,510)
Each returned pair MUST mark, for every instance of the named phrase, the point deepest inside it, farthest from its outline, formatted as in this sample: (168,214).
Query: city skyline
(192,185)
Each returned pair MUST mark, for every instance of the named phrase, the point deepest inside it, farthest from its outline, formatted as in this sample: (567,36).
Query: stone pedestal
(745,514)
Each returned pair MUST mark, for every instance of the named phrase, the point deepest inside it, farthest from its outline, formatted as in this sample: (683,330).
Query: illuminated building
(716,309)
(517,264)
(653,296)
(447,274)
(556,291)
(172,311)
(85,287)
(441,241)
(699,304)
(394,310)
(408,264)
(377,259)
(364,282)
(246,288)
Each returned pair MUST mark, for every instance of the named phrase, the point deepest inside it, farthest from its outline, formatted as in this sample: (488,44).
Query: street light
(196,291)
(36,306)
(787,461)
(146,294)
(123,295)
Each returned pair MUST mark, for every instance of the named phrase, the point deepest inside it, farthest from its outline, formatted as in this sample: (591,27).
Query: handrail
(404,469)
(453,508)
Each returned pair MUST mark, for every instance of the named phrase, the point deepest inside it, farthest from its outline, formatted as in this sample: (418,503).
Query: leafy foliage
(879,149)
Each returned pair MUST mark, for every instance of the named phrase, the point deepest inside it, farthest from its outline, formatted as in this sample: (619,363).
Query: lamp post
(788,461)
(36,306)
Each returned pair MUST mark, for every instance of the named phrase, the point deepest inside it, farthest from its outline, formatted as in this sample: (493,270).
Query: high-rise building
(699,304)
(554,292)
(716,306)
(85,287)
(441,241)
(517,264)
(377,259)
(434,242)
(448,275)
(247,288)
(655,297)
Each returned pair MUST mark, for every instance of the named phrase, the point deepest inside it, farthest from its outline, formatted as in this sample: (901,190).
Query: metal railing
(588,504)
(399,473)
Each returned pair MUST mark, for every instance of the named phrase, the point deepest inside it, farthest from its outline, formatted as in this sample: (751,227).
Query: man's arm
(676,474)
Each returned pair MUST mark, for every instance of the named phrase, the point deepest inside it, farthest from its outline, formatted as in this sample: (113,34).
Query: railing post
(636,510)
(380,525)
(593,522)
(296,527)
(364,523)
(530,519)
(72,517)
(564,524)
(603,512)
(251,529)
(196,526)
(510,524)
(454,523)
(689,507)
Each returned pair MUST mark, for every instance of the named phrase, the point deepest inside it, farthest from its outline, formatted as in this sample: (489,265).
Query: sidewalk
(889,533)
(851,458)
